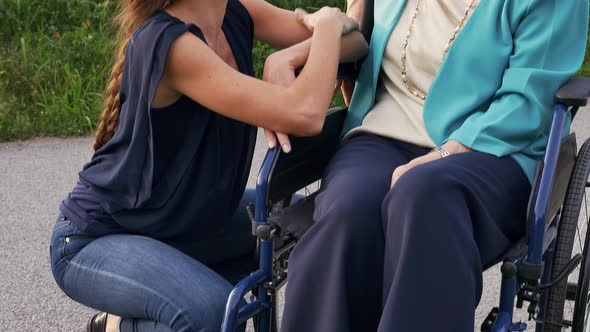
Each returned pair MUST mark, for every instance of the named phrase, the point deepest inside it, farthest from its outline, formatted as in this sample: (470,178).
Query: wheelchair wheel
(566,306)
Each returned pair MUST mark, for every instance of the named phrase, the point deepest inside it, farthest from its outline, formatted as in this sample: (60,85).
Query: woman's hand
(311,20)
(453,147)
(279,69)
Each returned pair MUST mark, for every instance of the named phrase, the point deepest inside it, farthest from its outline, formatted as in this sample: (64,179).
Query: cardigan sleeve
(548,48)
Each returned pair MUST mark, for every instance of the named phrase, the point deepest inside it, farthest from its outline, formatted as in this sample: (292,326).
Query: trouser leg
(442,222)
(335,271)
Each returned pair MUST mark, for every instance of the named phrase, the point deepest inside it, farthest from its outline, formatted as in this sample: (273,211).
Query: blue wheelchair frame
(260,308)
(540,237)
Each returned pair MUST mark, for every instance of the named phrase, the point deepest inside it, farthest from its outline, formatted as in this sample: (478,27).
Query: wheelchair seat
(294,220)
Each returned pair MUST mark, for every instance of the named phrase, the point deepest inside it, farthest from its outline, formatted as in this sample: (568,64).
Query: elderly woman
(446,126)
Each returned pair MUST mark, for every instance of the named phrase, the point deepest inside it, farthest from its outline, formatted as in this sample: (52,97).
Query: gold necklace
(446,49)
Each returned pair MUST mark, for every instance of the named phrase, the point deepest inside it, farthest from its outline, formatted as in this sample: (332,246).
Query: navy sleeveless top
(176,173)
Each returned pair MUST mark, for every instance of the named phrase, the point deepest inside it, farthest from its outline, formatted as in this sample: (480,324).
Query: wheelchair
(547,272)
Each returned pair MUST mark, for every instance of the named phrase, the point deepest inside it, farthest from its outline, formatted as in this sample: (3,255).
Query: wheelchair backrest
(306,161)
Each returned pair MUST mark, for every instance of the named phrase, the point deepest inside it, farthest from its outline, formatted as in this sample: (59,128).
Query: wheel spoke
(584,217)
(579,238)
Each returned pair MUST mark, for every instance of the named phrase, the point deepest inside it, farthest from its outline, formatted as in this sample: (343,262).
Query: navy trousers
(409,258)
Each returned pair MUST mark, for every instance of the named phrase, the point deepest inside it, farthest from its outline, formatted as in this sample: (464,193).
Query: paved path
(34,177)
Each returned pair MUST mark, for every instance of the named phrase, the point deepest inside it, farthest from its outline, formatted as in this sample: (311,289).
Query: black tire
(582,306)
(564,242)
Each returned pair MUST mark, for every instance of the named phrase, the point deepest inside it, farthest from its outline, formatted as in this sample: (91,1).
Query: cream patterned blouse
(397,112)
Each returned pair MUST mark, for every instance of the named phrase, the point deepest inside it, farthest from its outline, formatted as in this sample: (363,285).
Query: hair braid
(132,15)
(110,115)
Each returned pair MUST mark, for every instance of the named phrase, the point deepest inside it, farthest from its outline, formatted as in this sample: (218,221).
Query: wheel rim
(577,310)
(561,312)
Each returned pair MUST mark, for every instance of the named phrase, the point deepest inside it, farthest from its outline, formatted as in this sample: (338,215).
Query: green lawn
(55,59)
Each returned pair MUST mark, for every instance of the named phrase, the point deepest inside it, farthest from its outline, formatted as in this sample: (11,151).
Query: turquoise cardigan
(494,91)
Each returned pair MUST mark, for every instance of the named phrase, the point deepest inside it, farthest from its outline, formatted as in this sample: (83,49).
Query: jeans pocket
(71,240)
(73,244)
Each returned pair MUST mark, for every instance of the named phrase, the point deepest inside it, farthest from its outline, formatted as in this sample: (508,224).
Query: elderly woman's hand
(453,147)
(311,20)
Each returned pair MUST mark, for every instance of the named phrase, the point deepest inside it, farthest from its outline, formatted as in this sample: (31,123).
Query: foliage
(53,66)
(55,59)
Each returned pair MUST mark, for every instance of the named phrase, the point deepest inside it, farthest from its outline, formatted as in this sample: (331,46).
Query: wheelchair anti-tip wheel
(566,306)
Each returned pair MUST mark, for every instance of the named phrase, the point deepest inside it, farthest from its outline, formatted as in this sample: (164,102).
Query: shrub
(55,59)
(53,66)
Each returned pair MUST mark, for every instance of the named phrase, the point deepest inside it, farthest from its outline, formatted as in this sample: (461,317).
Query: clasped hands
(279,70)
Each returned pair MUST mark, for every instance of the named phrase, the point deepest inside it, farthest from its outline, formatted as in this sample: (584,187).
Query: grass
(53,66)
(56,57)
(55,60)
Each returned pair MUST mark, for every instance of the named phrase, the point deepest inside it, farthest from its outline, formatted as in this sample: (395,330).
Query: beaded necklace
(407,82)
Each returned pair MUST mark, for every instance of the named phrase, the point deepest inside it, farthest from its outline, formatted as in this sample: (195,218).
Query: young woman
(402,231)
(157,210)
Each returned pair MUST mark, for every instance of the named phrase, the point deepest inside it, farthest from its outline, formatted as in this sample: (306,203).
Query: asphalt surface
(34,177)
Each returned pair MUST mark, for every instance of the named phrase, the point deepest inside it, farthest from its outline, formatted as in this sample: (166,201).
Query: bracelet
(442,151)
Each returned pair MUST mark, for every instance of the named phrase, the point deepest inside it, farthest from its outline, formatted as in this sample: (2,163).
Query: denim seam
(60,282)
(132,282)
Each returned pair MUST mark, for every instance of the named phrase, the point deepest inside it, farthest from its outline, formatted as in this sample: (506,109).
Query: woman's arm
(353,47)
(298,109)
(282,28)
(275,26)
(549,46)
(355,9)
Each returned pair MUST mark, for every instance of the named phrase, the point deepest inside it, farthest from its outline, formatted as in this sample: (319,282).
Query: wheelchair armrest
(347,70)
(574,93)
(306,161)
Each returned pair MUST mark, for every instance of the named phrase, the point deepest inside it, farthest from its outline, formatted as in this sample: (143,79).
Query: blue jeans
(152,285)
